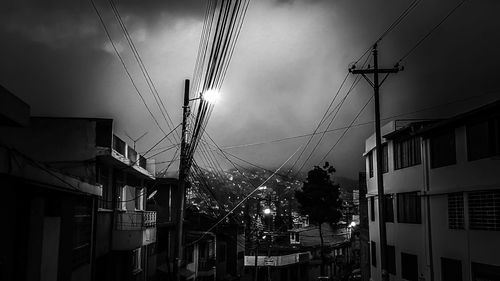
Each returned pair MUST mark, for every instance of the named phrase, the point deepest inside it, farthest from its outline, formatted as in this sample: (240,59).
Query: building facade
(49,216)
(88,203)
(442,195)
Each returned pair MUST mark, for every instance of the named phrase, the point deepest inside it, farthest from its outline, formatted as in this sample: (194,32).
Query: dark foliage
(320,197)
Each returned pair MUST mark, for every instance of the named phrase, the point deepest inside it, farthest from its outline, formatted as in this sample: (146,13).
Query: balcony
(133,229)
(278,260)
(117,152)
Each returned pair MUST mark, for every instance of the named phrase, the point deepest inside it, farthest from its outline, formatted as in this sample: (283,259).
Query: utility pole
(257,234)
(270,237)
(378,147)
(183,174)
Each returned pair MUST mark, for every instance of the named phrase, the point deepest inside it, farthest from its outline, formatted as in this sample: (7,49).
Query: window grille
(456,211)
(484,210)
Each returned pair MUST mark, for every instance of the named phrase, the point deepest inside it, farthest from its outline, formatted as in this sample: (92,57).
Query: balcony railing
(119,145)
(135,220)
(129,154)
(149,218)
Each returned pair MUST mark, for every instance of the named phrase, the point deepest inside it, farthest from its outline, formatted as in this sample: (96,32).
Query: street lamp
(211,96)
(267,211)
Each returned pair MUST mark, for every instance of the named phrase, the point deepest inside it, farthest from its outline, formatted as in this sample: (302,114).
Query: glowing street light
(353,224)
(267,211)
(211,96)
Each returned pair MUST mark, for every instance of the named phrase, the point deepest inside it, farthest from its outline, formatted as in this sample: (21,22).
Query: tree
(320,200)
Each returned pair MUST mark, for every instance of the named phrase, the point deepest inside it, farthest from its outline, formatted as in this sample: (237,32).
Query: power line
(391,27)
(356,125)
(124,65)
(346,130)
(144,71)
(431,31)
(354,83)
(319,123)
(246,197)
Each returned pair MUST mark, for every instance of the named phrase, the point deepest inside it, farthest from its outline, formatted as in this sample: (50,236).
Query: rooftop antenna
(135,140)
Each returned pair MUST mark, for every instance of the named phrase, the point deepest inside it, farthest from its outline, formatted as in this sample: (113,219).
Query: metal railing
(149,218)
(134,220)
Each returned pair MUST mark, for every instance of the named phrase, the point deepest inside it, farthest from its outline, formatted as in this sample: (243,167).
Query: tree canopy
(320,196)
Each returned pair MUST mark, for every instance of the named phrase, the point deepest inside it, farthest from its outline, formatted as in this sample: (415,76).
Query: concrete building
(112,229)
(49,216)
(442,191)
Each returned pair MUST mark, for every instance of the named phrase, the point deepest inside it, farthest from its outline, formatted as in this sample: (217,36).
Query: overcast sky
(288,64)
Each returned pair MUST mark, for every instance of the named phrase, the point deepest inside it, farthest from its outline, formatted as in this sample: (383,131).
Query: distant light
(262,187)
(267,211)
(211,96)
(353,224)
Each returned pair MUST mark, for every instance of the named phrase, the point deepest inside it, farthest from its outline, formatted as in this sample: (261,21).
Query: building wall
(477,245)
(465,175)
(434,185)
(63,143)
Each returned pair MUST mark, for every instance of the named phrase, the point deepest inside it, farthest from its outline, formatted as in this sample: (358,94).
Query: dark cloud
(290,60)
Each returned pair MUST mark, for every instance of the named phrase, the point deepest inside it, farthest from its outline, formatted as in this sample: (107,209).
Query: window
(373,251)
(408,208)
(451,270)
(122,199)
(139,198)
(370,163)
(443,149)
(406,153)
(82,229)
(389,209)
(485,272)
(372,208)
(483,139)
(409,267)
(103,178)
(136,260)
(385,158)
(484,210)
(391,259)
(456,210)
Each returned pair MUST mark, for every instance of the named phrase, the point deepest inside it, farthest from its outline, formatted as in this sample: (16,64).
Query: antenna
(136,140)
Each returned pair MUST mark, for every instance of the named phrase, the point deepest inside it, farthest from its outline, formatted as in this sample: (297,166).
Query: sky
(289,62)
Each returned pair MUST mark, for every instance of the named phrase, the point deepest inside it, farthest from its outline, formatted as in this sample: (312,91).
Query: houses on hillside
(442,195)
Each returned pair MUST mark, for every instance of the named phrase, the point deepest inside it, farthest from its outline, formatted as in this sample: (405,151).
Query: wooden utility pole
(378,148)
(257,234)
(183,174)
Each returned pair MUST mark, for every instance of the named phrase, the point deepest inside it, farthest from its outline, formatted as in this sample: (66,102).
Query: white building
(442,192)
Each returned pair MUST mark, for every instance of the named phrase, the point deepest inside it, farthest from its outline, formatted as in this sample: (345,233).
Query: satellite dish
(152,194)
